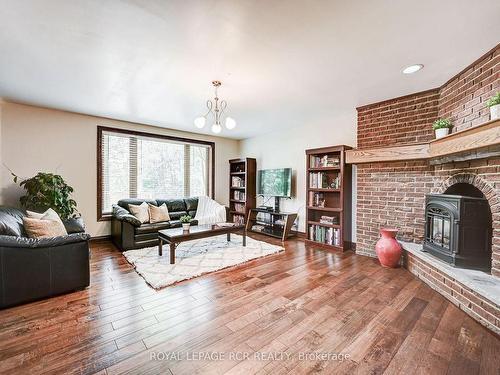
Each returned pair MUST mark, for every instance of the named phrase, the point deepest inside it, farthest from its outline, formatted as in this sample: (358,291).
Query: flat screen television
(275,182)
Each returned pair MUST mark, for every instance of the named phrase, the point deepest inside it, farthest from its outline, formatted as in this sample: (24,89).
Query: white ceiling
(282,63)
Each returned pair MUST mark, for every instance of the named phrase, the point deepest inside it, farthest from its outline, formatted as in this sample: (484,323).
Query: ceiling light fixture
(412,68)
(215,108)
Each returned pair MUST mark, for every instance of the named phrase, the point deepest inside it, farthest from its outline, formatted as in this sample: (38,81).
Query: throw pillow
(35,215)
(158,214)
(41,228)
(50,215)
(141,212)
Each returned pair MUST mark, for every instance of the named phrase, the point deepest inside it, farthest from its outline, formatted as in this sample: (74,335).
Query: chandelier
(215,108)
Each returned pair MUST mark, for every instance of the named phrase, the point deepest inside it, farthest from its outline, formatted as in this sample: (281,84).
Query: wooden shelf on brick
(242,185)
(471,139)
(329,197)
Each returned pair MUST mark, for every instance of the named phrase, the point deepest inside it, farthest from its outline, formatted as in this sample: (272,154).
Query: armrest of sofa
(74,225)
(119,213)
(26,242)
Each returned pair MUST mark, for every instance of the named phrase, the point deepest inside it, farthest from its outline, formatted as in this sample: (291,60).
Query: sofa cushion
(49,214)
(141,211)
(177,215)
(173,205)
(191,204)
(177,223)
(11,222)
(192,213)
(125,202)
(42,228)
(151,228)
(158,214)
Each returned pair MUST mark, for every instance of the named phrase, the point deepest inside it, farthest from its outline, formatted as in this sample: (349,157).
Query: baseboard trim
(100,238)
(301,235)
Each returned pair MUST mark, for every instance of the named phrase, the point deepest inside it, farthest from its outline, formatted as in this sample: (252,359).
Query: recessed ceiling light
(412,69)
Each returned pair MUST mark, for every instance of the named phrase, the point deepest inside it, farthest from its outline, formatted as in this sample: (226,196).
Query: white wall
(287,150)
(37,139)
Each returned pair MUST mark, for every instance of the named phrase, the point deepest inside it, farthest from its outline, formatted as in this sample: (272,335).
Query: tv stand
(271,223)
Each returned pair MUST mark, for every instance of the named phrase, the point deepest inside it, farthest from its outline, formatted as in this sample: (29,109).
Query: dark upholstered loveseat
(35,268)
(128,233)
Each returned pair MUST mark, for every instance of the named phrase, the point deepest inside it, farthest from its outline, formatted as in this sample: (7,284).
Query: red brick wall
(393,194)
(463,98)
(398,121)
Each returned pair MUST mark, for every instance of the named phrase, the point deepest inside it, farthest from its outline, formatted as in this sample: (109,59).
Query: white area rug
(195,258)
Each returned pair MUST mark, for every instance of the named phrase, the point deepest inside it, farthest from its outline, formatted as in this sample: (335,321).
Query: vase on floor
(185,226)
(388,249)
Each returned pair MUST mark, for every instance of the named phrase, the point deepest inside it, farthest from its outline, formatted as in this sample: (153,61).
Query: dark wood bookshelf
(325,198)
(245,170)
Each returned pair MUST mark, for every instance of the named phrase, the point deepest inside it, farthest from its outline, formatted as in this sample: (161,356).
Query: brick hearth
(393,193)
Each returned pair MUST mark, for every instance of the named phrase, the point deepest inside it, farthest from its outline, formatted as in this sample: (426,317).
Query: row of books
(318,180)
(316,199)
(329,219)
(329,236)
(239,219)
(239,207)
(237,181)
(239,195)
(324,161)
(321,180)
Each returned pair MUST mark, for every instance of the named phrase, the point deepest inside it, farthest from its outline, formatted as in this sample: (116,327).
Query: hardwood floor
(305,300)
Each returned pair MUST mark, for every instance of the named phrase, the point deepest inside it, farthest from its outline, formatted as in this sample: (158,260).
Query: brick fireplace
(393,193)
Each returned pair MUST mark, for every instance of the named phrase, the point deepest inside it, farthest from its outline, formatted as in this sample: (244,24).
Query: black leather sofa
(128,233)
(35,268)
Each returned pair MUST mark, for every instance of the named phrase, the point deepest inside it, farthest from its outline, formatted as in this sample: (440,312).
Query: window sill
(105,217)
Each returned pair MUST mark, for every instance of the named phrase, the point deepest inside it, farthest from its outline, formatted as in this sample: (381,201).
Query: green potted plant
(494,104)
(442,127)
(186,222)
(47,190)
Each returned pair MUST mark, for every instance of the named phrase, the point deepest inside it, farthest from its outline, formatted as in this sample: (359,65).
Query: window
(141,165)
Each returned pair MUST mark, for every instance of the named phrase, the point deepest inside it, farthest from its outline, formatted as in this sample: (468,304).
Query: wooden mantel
(484,135)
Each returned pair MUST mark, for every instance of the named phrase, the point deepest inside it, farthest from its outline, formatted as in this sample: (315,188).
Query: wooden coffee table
(175,236)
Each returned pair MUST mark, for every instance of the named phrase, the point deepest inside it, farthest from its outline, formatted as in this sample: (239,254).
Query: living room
(240,187)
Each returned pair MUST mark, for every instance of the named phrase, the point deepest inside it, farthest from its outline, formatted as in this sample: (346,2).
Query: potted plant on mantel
(442,127)
(186,222)
(494,104)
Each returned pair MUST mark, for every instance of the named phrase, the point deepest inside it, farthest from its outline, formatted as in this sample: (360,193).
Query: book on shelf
(239,207)
(239,219)
(237,181)
(329,219)
(316,199)
(239,195)
(324,161)
(321,180)
(329,236)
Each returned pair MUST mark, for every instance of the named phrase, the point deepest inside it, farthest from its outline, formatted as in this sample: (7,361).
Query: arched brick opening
(491,195)
(475,180)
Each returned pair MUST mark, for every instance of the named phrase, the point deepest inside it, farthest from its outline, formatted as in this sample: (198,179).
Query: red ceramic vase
(388,249)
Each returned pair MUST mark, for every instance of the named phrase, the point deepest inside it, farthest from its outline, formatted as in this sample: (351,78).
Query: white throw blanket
(209,211)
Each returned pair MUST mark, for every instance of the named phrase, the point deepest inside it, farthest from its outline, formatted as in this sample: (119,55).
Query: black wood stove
(458,230)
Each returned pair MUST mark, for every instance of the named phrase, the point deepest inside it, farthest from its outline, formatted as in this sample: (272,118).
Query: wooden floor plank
(303,300)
